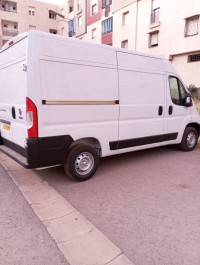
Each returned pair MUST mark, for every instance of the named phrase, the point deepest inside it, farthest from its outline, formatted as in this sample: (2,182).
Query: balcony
(10,33)
(8,6)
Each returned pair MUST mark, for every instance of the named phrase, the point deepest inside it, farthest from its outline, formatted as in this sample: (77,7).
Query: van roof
(167,65)
(89,43)
(21,36)
(14,40)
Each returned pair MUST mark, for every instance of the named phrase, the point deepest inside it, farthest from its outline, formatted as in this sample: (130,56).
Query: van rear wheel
(189,140)
(81,163)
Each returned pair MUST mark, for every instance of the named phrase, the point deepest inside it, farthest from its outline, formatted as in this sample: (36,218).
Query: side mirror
(187,100)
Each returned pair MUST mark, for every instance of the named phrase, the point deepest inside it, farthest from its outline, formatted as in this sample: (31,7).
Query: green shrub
(194,92)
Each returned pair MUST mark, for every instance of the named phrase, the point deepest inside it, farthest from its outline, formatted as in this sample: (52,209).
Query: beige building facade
(18,16)
(167,28)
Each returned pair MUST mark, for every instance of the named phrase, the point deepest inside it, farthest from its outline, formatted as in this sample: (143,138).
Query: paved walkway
(24,239)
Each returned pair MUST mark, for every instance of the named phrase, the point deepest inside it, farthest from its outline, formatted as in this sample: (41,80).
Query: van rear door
(13,95)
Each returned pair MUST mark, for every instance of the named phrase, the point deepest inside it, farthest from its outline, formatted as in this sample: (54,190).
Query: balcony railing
(155,15)
(12,33)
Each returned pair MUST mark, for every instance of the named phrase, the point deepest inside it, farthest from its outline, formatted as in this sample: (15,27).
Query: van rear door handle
(170,110)
(13,113)
(160,110)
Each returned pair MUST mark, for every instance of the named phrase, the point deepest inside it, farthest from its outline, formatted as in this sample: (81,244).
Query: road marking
(78,239)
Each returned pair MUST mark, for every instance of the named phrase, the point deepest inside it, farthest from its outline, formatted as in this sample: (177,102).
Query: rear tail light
(11,43)
(31,118)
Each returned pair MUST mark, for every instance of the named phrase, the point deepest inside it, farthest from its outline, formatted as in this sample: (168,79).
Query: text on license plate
(6,127)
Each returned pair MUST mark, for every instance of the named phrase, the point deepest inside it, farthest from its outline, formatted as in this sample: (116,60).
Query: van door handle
(170,110)
(160,110)
(13,113)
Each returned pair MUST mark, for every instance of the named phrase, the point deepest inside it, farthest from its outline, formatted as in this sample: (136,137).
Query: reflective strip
(51,102)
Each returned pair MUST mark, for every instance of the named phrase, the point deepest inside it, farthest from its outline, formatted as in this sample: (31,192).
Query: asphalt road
(23,238)
(146,202)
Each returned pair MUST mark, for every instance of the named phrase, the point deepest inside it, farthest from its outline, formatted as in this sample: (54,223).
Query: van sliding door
(142,100)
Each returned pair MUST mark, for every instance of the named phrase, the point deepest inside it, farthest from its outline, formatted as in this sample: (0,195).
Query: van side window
(177,90)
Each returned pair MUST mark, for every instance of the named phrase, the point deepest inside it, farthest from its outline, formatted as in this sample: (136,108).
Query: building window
(107,26)
(32,27)
(71,28)
(31,11)
(94,33)
(53,31)
(194,58)
(71,9)
(79,21)
(124,44)
(153,39)
(94,9)
(155,13)
(52,15)
(125,18)
(191,26)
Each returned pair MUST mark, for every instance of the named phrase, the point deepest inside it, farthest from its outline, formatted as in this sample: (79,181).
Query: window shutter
(192,27)
(154,39)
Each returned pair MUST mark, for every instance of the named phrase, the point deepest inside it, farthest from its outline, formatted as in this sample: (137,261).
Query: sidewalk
(30,208)
(23,238)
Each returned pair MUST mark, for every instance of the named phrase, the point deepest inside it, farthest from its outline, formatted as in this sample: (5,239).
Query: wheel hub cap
(84,163)
(191,139)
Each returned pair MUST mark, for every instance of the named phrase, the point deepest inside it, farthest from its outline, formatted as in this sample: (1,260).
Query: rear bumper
(39,152)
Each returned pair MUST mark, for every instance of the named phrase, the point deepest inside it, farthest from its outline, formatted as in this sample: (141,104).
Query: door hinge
(25,67)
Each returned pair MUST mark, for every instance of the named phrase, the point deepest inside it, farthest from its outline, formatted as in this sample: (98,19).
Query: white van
(66,101)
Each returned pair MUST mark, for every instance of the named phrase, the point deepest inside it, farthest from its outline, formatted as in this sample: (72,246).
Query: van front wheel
(189,140)
(81,163)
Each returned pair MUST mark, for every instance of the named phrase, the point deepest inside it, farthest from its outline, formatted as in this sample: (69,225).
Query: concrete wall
(125,32)
(172,42)
(171,27)
(188,71)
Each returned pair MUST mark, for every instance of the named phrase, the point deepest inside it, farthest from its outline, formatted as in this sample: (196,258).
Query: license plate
(6,127)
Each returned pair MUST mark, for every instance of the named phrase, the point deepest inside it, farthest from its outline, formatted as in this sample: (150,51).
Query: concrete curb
(198,144)
(79,241)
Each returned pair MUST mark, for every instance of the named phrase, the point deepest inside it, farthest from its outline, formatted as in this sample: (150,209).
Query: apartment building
(18,16)
(166,28)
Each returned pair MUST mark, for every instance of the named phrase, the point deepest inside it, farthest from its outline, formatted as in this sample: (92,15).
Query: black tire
(189,140)
(81,163)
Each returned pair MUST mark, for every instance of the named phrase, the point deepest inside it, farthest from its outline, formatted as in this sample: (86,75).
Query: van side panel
(77,90)
(142,101)
(13,95)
